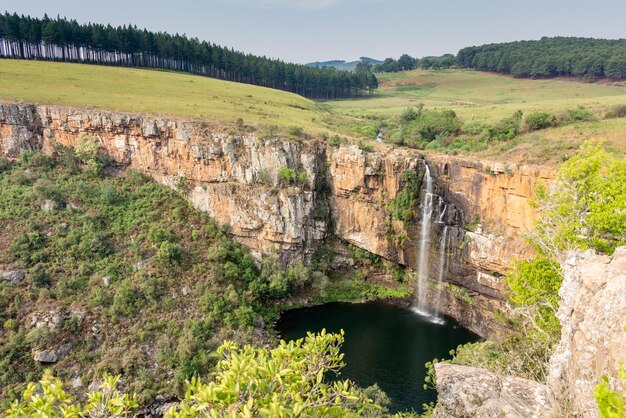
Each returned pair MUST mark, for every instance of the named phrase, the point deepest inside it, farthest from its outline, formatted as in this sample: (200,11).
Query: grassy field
(477,95)
(155,92)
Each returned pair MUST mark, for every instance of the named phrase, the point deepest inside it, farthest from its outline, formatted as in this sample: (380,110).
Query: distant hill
(341,64)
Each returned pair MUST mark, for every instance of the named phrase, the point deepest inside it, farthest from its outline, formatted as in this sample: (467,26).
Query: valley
(183,235)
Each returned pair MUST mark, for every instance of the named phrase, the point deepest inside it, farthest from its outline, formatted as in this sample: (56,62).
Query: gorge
(483,211)
(467,218)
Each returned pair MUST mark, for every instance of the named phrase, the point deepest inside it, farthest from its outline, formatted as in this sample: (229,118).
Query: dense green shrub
(586,208)
(433,123)
(404,206)
(507,128)
(287,176)
(169,253)
(580,114)
(286,381)
(539,120)
(611,404)
(535,285)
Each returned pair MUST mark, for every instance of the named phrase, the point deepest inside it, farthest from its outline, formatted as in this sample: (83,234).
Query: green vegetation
(61,39)
(130,258)
(585,58)
(289,177)
(585,209)
(287,381)
(491,111)
(404,206)
(611,404)
(48,399)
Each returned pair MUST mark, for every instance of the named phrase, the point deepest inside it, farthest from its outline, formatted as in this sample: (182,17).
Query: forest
(584,58)
(407,62)
(60,39)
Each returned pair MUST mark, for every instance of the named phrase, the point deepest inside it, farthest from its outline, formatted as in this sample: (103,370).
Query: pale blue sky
(311,30)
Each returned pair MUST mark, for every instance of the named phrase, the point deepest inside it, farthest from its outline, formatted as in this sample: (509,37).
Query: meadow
(475,95)
(155,92)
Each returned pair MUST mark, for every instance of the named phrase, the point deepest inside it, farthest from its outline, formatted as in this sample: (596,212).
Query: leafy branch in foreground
(287,381)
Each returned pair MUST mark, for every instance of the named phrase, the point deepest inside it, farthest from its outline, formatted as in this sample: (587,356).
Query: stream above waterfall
(384,344)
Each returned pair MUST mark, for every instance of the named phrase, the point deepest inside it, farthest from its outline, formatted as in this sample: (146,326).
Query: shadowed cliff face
(343,191)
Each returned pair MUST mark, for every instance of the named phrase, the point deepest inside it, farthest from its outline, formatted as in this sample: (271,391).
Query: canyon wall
(484,207)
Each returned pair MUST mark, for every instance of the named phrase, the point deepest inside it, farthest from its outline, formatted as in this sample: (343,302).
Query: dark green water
(384,344)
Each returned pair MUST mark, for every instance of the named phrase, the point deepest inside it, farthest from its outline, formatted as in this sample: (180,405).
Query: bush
(433,123)
(617,111)
(287,176)
(580,114)
(110,196)
(5,165)
(169,253)
(539,120)
(586,208)
(410,114)
(263,177)
(89,151)
(535,284)
(295,131)
(239,123)
(46,190)
(38,276)
(404,206)
(507,128)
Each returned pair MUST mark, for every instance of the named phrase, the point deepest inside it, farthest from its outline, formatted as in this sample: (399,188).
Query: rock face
(470,195)
(592,312)
(465,392)
(483,207)
(593,341)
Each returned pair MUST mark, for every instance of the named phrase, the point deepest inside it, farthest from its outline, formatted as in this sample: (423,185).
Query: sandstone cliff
(483,206)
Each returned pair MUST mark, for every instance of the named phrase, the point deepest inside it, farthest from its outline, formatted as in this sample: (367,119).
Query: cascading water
(423,262)
(442,269)
(423,265)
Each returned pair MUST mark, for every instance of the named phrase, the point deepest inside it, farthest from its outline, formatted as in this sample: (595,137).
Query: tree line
(585,58)
(407,62)
(60,39)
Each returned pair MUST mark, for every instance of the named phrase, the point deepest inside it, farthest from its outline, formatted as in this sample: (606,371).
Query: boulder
(13,276)
(465,392)
(53,355)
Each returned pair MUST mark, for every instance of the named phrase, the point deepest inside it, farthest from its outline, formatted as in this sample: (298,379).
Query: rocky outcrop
(592,312)
(470,392)
(233,176)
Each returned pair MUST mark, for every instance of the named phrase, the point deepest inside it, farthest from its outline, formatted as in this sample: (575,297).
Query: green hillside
(156,92)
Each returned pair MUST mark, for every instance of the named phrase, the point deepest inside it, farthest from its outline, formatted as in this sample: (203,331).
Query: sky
(317,30)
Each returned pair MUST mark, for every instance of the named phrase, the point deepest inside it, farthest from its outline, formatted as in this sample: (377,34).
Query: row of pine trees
(60,39)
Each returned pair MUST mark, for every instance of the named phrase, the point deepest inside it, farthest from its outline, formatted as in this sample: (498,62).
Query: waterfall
(423,264)
(442,269)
